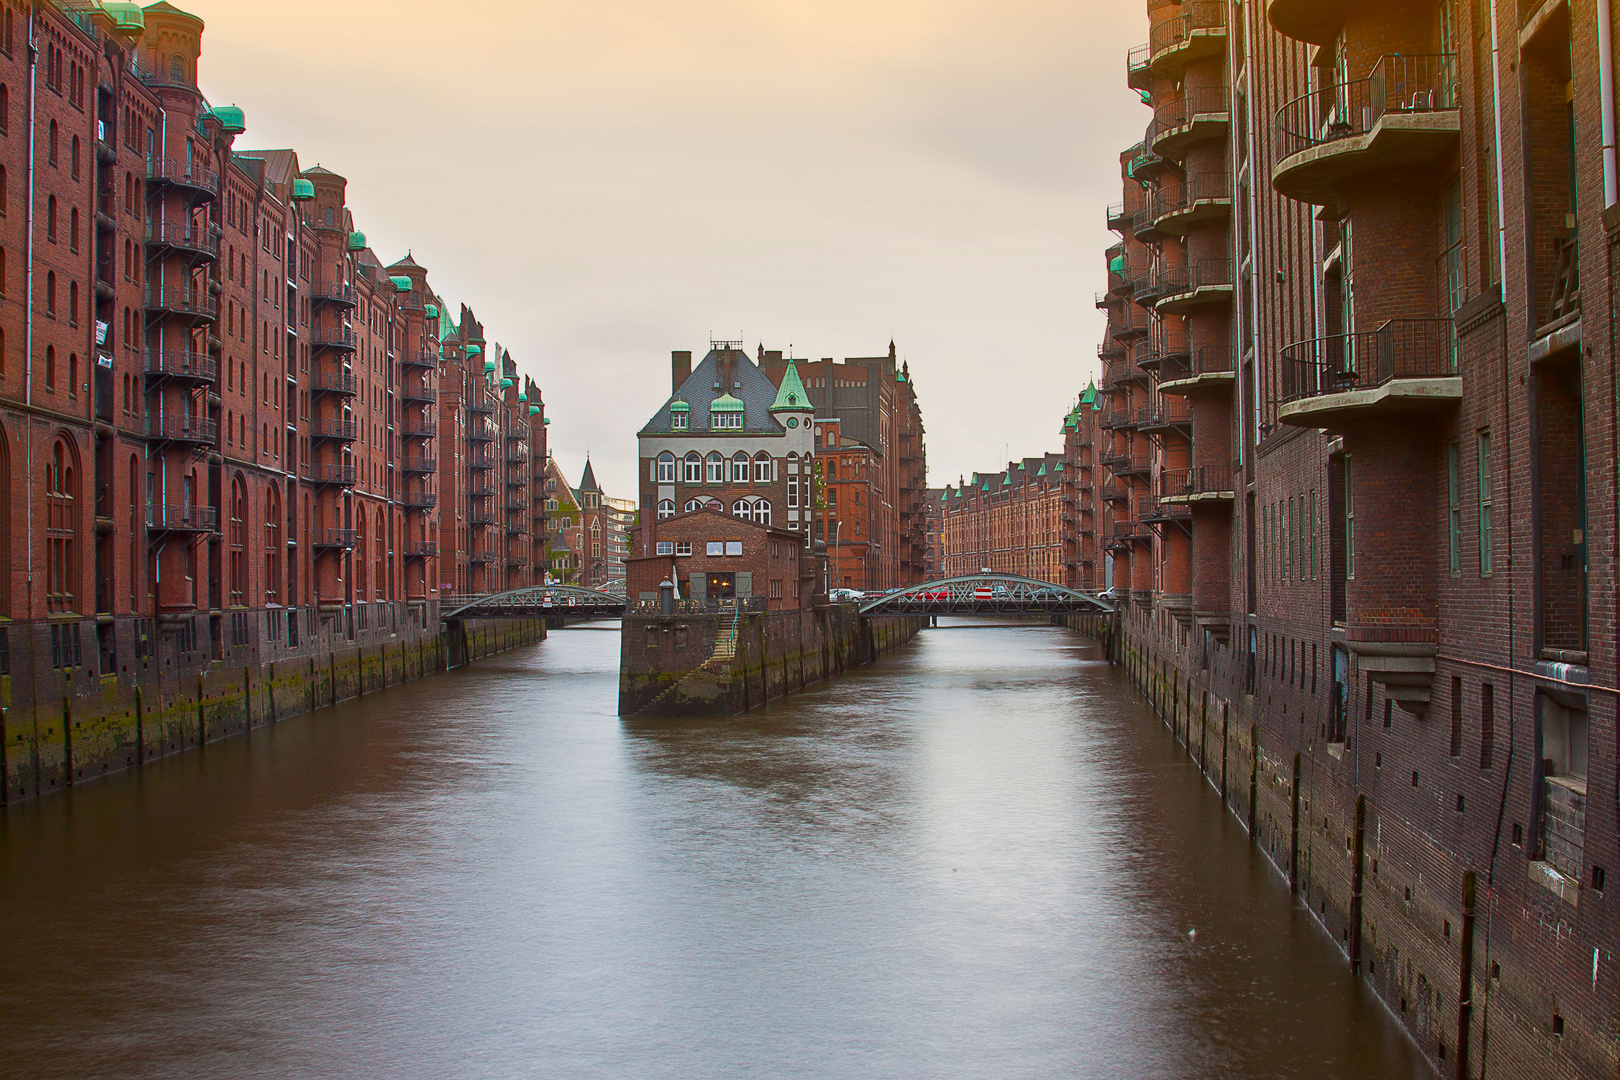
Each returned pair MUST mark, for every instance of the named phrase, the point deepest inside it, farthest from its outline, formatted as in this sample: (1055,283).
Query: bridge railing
(747,605)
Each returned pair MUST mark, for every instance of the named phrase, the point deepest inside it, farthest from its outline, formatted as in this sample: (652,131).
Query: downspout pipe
(28,309)
(1496,110)
(1605,40)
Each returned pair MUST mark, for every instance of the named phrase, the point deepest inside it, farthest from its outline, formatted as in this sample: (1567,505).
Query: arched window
(177,70)
(73,158)
(73,303)
(50,367)
(379,543)
(666,508)
(359,559)
(5,99)
(73,229)
(61,527)
(743,508)
(762,468)
(329,216)
(272,545)
(50,219)
(54,140)
(762,512)
(693,473)
(238,539)
(50,292)
(73,375)
(666,468)
(5,191)
(739,467)
(715,468)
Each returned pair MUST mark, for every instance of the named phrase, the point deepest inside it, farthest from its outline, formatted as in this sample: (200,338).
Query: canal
(980,857)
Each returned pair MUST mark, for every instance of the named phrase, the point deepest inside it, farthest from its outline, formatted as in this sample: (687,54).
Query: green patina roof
(533,409)
(1089,395)
(402,284)
(475,350)
(1117,264)
(303,190)
(1041,471)
(126,18)
(791,394)
(679,406)
(357,241)
(725,403)
(433,311)
(231,119)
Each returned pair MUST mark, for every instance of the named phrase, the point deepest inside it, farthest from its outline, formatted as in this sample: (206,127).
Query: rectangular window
(666,547)
(1456,716)
(1454,507)
(683,547)
(715,547)
(733,547)
(1349,520)
(1313,537)
(1485,503)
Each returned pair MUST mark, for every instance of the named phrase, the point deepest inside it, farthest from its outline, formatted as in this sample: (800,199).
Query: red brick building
(714,556)
(1009,522)
(874,403)
(1355,465)
(226,427)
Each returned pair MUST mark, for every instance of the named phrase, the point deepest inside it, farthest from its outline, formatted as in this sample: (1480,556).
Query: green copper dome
(303,190)
(679,406)
(726,403)
(357,241)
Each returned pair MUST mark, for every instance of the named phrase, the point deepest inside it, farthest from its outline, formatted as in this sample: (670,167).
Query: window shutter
(699,587)
(745,583)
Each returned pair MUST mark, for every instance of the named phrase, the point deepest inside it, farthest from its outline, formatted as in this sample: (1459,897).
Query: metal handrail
(1397,84)
(1196,15)
(1195,101)
(1398,349)
(183,235)
(1198,480)
(1208,360)
(182,363)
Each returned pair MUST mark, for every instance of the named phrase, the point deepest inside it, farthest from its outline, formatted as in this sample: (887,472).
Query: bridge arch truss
(979,594)
(534,601)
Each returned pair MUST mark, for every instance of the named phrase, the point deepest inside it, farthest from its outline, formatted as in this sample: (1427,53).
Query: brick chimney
(680,368)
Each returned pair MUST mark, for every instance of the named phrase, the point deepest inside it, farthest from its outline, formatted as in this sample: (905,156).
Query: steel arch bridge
(981,594)
(568,601)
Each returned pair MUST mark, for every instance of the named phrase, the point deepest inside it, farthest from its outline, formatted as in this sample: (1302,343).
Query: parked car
(846,596)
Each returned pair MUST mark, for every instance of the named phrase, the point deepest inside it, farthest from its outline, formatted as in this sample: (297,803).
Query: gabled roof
(702,391)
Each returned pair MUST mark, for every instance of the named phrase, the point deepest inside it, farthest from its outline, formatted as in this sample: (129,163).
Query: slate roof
(757,393)
(588,481)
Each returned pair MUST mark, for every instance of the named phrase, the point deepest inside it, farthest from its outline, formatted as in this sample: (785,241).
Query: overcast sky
(605,181)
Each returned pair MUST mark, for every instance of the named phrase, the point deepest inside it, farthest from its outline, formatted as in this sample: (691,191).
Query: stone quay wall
(58,729)
(681,665)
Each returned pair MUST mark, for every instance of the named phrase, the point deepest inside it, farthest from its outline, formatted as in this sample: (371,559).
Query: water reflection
(977,858)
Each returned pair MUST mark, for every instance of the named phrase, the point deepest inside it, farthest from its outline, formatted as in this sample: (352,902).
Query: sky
(604,182)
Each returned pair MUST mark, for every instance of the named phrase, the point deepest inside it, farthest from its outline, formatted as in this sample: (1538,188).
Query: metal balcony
(333,382)
(182,174)
(337,430)
(324,475)
(181,519)
(1183,288)
(198,242)
(423,394)
(1202,483)
(415,429)
(419,500)
(181,364)
(340,295)
(181,301)
(1404,115)
(1203,196)
(1210,367)
(188,430)
(427,358)
(334,337)
(1405,367)
(334,539)
(1197,33)
(1199,113)
(419,549)
(419,465)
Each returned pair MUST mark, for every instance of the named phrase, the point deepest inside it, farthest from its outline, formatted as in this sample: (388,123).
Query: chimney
(680,367)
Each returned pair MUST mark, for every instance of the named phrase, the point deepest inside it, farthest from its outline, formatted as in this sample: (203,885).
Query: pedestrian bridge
(981,594)
(534,601)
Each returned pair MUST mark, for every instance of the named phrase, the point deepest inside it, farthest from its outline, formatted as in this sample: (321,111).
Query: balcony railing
(330,474)
(184,236)
(419,549)
(419,464)
(420,500)
(1196,16)
(1179,282)
(160,518)
(1137,62)
(1164,413)
(423,394)
(1208,360)
(1204,187)
(185,429)
(334,294)
(182,173)
(182,364)
(334,538)
(333,337)
(333,382)
(341,430)
(181,300)
(415,429)
(1199,480)
(1398,84)
(421,358)
(1180,111)
(1399,349)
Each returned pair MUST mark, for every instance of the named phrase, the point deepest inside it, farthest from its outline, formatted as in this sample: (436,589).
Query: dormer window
(679,415)
(677,422)
(726,414)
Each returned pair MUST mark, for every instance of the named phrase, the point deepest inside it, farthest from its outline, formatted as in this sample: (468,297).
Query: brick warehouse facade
(228,433)
(1355,464)
(1010,522)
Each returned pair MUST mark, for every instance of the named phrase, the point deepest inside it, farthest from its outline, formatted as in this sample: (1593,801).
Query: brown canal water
(980,857)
